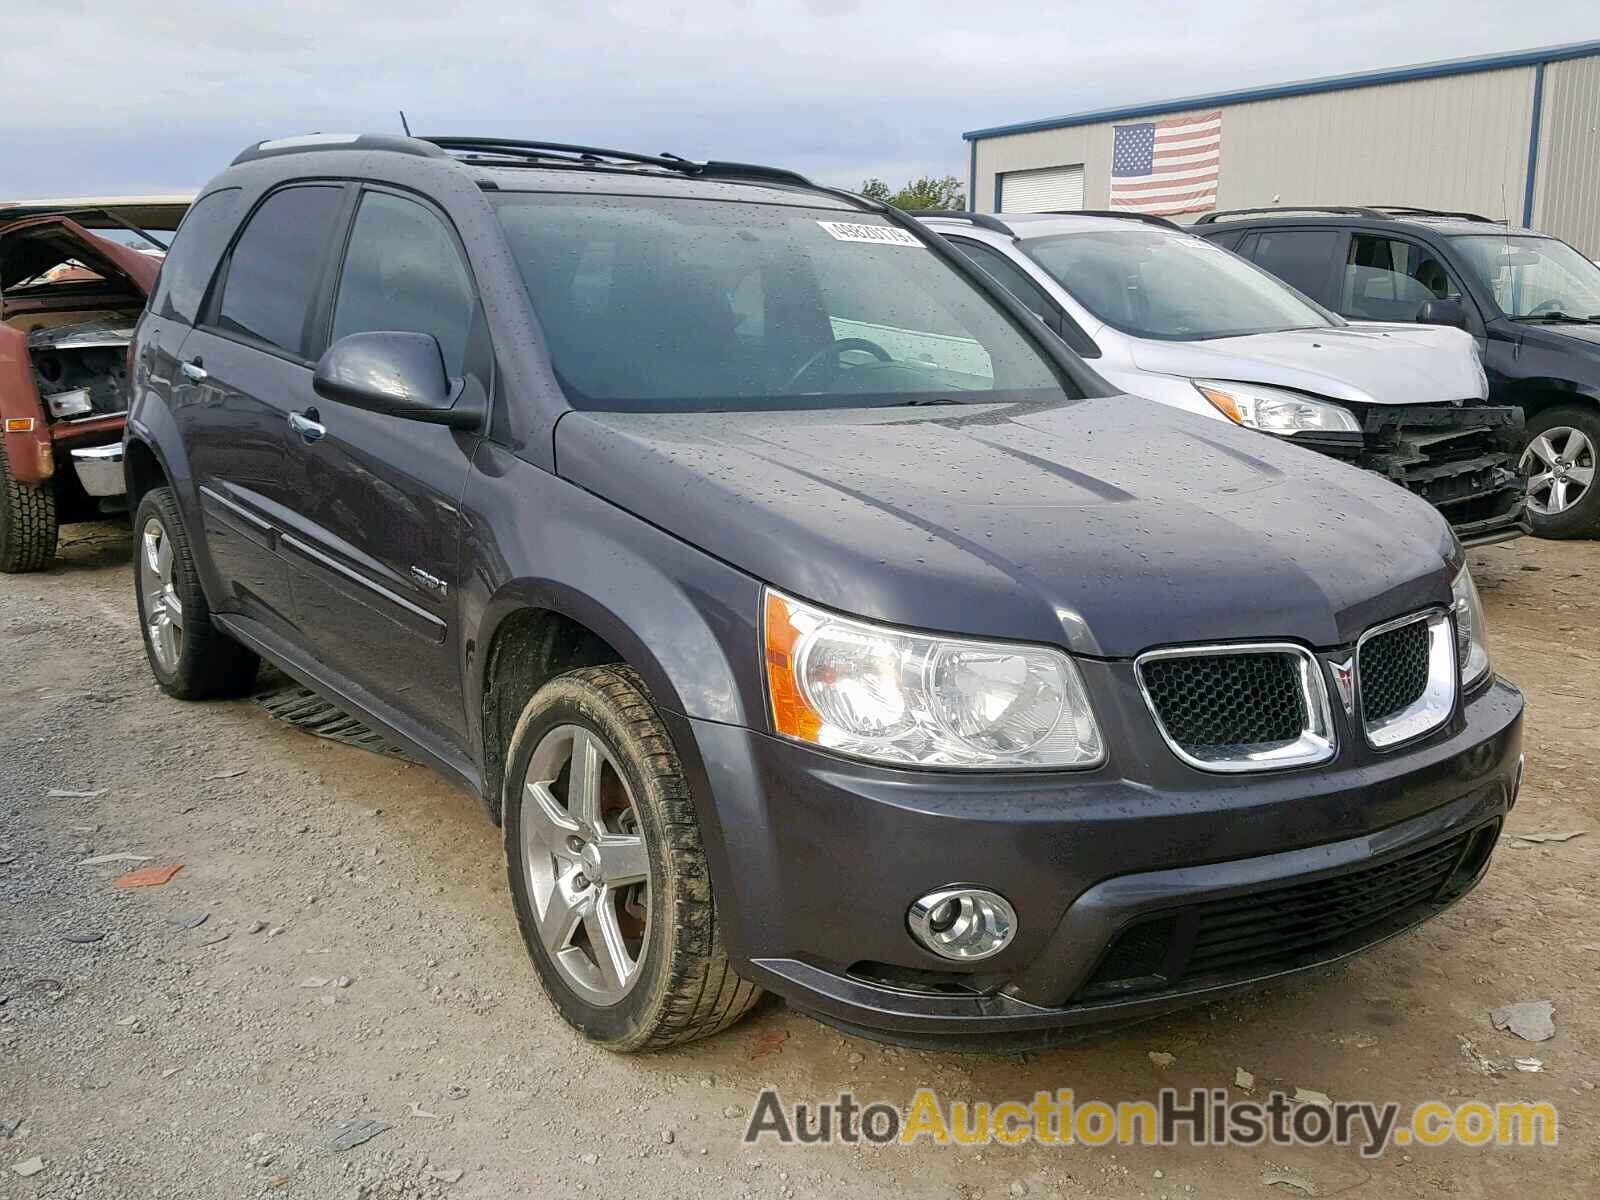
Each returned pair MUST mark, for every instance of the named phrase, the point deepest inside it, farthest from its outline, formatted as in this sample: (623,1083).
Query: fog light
(963,923)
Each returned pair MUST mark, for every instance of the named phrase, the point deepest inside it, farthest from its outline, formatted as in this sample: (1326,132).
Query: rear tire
(28,522)
(661,975)
(1559,463)
(190,657)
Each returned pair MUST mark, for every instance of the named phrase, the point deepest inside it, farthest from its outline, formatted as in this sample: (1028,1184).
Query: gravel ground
(358,960)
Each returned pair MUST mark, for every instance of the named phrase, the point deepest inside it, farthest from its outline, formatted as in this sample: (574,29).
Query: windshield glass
(1157,283)
(1533,276)
(664,305)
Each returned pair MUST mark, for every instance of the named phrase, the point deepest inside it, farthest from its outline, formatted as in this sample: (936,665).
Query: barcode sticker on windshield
(877,235)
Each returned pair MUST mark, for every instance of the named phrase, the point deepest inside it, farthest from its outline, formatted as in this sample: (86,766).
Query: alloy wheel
(163,611)
(1559,466)
(587,868)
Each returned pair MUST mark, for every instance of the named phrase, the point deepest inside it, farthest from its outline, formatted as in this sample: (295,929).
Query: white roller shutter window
(1052,189)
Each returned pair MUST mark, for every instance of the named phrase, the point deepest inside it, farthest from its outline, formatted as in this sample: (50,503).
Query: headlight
(1273,410)
(1472,636)
(900,697)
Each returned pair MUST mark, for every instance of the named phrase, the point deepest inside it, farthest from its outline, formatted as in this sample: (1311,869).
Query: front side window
(1533,277)
(655,304)
(276,267)
(1160,284)
(402,272)
(193,257)
(1008,275)
(1388,279)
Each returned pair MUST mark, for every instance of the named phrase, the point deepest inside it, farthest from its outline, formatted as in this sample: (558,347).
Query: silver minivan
(1169,316)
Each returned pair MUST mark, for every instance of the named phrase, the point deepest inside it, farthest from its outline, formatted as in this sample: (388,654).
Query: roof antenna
(404,124)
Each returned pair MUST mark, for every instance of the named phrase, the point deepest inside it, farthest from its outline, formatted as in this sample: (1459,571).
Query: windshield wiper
(1561,318)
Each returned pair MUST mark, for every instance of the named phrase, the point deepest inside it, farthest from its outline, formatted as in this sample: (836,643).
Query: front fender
(30,457)
(687,622)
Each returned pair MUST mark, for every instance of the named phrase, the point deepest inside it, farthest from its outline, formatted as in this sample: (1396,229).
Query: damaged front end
(81,373)
(1461,460)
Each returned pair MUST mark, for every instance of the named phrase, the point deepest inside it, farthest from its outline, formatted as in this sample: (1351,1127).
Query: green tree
(926,192)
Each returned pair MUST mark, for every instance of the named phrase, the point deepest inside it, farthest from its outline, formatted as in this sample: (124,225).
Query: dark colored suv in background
(809,616)
(1531,300)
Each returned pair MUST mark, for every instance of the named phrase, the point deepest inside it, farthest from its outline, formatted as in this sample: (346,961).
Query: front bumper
(99,470)
(1463,461)
(816,860)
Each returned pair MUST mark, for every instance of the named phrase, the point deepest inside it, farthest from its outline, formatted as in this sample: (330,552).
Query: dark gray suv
(809,616)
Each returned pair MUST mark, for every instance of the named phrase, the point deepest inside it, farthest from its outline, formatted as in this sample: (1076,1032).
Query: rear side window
(1302,258)
(402,272)
(277,265)
(1387,279)
(194,254)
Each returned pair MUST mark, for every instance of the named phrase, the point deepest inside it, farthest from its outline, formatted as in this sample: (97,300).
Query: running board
(304,709)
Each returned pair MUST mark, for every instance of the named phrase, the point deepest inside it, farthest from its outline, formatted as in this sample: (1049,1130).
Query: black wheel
(1559,465)
(27,522)
(607,869)
(190,657)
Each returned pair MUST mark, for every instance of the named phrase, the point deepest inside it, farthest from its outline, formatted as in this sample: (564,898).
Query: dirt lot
(165,1061)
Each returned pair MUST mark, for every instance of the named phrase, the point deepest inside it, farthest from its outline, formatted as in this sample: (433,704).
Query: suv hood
(1359,364)
(1109,525)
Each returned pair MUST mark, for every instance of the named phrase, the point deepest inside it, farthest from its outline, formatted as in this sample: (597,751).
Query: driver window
(1386,279)
(402,272)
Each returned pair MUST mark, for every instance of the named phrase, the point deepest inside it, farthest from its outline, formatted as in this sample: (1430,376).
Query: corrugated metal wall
(1455,142)
(1566,199)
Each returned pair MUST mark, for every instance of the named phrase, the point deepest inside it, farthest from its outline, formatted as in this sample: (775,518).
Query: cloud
(107,98)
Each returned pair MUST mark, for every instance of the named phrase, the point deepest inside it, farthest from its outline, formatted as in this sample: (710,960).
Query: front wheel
(28,523)
(1559,465)
(607,869)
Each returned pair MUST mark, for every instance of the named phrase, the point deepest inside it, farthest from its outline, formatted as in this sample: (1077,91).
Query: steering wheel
(1548,306)
(830,353)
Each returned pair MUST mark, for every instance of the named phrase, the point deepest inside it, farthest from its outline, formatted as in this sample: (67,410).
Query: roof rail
(568,154)
(1343,210)
(1406,211)
(337,141)
(981,220)
(1147,218)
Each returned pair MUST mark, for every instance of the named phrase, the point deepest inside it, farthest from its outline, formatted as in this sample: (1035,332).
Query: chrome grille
(1406,677)
(1239,708)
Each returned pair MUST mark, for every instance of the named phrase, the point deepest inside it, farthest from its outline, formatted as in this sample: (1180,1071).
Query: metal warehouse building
(1514,136)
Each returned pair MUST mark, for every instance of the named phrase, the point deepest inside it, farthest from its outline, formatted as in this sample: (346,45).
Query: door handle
(306,425)
(193,371)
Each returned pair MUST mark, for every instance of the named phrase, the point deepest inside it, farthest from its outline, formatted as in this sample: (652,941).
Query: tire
(198,661)
(28,522)
(1549,436)
(683,986)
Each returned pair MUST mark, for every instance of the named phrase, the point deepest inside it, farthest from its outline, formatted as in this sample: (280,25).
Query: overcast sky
(133,96)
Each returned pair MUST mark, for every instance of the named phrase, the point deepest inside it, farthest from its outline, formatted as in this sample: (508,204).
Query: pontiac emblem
(1344,680)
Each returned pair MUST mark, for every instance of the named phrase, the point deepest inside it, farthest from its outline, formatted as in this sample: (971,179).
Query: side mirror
(1448,311)
(398,374)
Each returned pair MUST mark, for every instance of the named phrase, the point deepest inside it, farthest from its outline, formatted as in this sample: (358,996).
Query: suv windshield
(1157,283)
(1533,276)
(665,305)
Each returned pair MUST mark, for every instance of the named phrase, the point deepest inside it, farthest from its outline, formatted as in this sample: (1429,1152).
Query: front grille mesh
(1394,670)
(1215,702)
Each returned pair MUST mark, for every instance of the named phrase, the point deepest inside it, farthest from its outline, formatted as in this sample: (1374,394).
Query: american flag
(1166,167)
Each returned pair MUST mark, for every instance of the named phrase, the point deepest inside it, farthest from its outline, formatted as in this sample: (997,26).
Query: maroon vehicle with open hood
(74,276)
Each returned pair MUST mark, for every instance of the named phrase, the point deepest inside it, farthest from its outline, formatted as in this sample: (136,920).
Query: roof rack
(1405,210)
(1147,218)
(1374,212)
(567,154)
(507,151)
(981,220)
